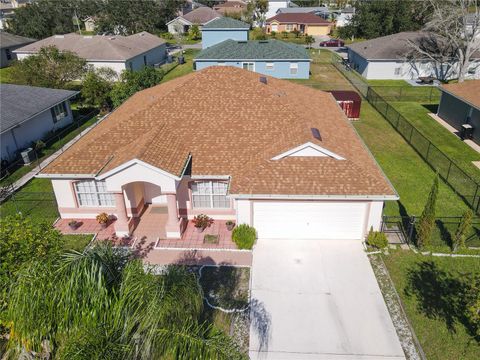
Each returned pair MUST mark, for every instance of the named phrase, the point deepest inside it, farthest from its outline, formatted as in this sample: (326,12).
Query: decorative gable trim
(308,149)
(131,163)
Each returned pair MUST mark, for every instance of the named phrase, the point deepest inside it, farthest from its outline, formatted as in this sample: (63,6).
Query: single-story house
(199,16)
(345,17)
(275,5)
(222,29)
(269,57)
(230,7)
(8,43)
(389,57)
(317,10)
(305,23)
(29,113)
(460,104)
(270,153)
(116,52)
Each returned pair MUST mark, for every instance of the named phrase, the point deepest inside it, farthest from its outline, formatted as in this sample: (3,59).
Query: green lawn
(35,200)
(183,69)
(76,242)
(431,291)
(5,76)
(407,171)
(388,83)
(451,145)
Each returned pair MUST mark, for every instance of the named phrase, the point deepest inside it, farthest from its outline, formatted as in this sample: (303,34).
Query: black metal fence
(462,183)
(445,228)
(36,205)
(427,94)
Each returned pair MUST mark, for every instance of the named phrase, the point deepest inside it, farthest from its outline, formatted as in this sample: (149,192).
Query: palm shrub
(103,304)
(244,236)
(426,223)
(462,230)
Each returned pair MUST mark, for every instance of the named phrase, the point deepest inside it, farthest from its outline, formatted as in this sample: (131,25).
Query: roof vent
(241,42)
(59,36)
(316,133)
(263,80)
(263,42)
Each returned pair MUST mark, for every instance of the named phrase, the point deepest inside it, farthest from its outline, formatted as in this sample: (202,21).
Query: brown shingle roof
(201,15)
(99,47)
(232,124)
(299,18)
(468,91)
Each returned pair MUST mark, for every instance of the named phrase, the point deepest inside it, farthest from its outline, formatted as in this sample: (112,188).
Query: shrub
(202,221)
(102,218)
(377,239)
(427,220)
(462,230)
(273,34)
(258,34)
(284,34)
(244,236)
(167,36)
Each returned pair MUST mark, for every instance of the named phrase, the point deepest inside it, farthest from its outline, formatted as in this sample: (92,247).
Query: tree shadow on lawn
(441,295)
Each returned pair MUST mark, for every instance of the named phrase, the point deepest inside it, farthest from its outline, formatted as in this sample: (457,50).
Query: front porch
(149,240)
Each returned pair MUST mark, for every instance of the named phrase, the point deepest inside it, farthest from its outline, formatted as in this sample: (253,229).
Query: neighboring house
(116,52)
(389,57)
(89,23)
(269,57)
(199,16)
(188,6)
(222,29)
(345,17)
(275,5)
(305,23)
(6,12)
(29,113)
(8,43)
(230,144)
(317,10)
(460,104)
(231,7)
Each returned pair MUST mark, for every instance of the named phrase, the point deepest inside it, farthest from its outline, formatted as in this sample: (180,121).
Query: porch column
(172,227)
(121,225)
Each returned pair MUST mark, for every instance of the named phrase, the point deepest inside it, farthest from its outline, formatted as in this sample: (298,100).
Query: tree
(376,18)
(96,87)
(133,81)
(256,10)
(49,68)
(427,220)
(309,40)
(194,32)
(456,28)
(23,241)
(462,230)
(103,304)
(258,34)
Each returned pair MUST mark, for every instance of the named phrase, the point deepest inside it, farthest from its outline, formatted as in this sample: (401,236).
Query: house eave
(305,60)
(315,197)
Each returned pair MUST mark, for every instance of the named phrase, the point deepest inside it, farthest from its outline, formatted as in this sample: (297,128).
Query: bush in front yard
(244,236)
(377,239)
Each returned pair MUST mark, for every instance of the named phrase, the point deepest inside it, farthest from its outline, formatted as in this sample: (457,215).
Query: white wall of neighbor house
(30,131)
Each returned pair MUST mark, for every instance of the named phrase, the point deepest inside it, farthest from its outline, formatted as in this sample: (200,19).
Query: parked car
(332,43)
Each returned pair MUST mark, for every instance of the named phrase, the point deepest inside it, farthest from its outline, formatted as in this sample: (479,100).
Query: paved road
(318,299)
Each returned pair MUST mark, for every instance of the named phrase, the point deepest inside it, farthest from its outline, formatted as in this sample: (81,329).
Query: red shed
(349,101)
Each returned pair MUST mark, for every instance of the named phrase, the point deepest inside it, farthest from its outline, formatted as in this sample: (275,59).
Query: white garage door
(309,220)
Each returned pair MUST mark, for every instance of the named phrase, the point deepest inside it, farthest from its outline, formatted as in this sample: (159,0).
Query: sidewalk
(30,175)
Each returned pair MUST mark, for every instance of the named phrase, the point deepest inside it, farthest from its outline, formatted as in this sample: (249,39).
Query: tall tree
(257,10)
(96,87)
(456,28)
(427,220)
(377,18)
(102,304)
(49,68)
(463,227)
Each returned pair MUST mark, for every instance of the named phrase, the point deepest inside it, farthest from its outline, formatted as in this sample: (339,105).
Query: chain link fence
(464,185)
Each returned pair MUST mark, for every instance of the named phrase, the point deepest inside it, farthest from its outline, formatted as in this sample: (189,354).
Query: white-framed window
(93,193)
(293,68)
(59,111)
(210,194)
(270,66)
(397,71)
(250,66)
(289,27)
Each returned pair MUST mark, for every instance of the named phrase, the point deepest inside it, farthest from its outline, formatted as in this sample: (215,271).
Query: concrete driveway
(318,299)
